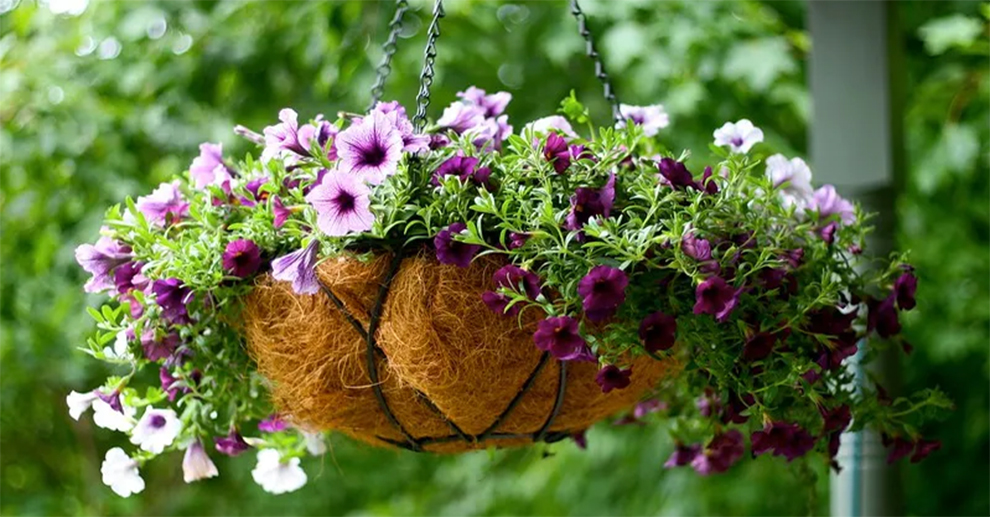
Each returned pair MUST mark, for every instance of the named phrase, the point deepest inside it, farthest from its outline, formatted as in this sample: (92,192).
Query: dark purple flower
(733,409)
(830,321)
(603,289)
(708,403)
(556,152)
(708,183)
(232,444)
(904,289)
(272,424)
(254,191)
(173,297)
(759,346)
(676,174)
(683,455)
(128,277)
(560,336)
(299,267)
(658,331)
(698,249)
(721,453)
(280,212)
(438,141)
(450,251)
(156,348)
(777,278)
(924,448)
(588,202)
(837,418)
(794,257)
(580,439)
(514,278)
(464,167)
(242,258)
(611,378)
(716,297)
(168,381)
(164,206)
(517,240)
(827,232)
(788,440)
(882,317)
(900,447)
(100,260)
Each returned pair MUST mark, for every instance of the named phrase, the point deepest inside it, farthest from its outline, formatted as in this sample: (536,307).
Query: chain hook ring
(388,50)
(426,76)
(591,52)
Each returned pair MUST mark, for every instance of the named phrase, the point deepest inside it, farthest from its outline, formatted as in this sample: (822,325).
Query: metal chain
(596,57)
(388,50)
(426,77)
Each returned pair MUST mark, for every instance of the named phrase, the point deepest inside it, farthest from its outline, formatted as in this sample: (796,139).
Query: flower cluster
(749,278)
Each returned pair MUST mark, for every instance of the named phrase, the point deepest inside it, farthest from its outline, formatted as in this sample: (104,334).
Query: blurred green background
(107,98)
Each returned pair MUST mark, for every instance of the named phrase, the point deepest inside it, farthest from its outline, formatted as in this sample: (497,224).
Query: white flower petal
(120,473)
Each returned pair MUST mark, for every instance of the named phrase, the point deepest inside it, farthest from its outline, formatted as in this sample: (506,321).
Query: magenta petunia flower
(658,331)
(493,104)
(167,381)
(164,205)
(904,289)
(273,424)
(280,212)
(651,118)
(173,297)
(722,452)
(827,232)
(453,252)
(882,317)
(158,348)
(716,297)
(588,202)
(461,116)
(396,114)
(611,378)
(209,166)
(556,152)
(343,204)
(517,240)
(560,336)
(299,267)
(128,277)
(923,448)
(100,260)
(788,440)
(683,455)
(827,202)
(285,136)
(836,419)
(242,258)
(514,278)
(370,149)
(696,248)
(232,444)
(464,167)
(708,183)
(602,290)
(676,174)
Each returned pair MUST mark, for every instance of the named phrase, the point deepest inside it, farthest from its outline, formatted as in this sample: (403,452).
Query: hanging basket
(449,374)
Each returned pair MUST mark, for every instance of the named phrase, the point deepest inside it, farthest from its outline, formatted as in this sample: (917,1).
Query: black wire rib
(343,310)
(519,395)
(561,390)
(600,73)
(388,50)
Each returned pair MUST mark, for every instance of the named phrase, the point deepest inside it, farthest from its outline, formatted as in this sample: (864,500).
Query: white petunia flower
(196,464)
(792,179)
(120,348)
(120,473)
(315,443)
(740,137)
(79,403)
(556,122)
(109,418)
(156,430)
(651,118)
(276,476)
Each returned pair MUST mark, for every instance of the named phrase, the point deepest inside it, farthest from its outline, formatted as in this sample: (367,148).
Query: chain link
(596,57)
(388,50)
(426,77)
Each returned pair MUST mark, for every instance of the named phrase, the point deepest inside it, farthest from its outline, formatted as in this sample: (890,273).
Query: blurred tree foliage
(110,99)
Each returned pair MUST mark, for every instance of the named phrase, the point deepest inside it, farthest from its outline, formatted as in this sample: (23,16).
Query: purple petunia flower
(285,136)
(904,290)
(209,167)
(700,250)
(580,439)
(232,444)
(658,331)
(827,232)
(173,297)
(453,252)
(759,346)
(464,167)
(560,336)
(242,258)
(716,297)
(676,174)
(100,260)
(396,114)
(722,452)
(343,204)
(164,205)
(491,131)
(611,378)
(272,424)
(602,290)
(651,118)
(923,448)
(882,317)
(299,267)
(788,440)
(493,104)
(683,455)
(370,149)
(517,240)
(461,116)
(556,151)
(156,349)
(827,202)
(588,202)
(514,278)
(128,277)
(708,183)
(899,447)
(280,212)
(836,419)
(168,384)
